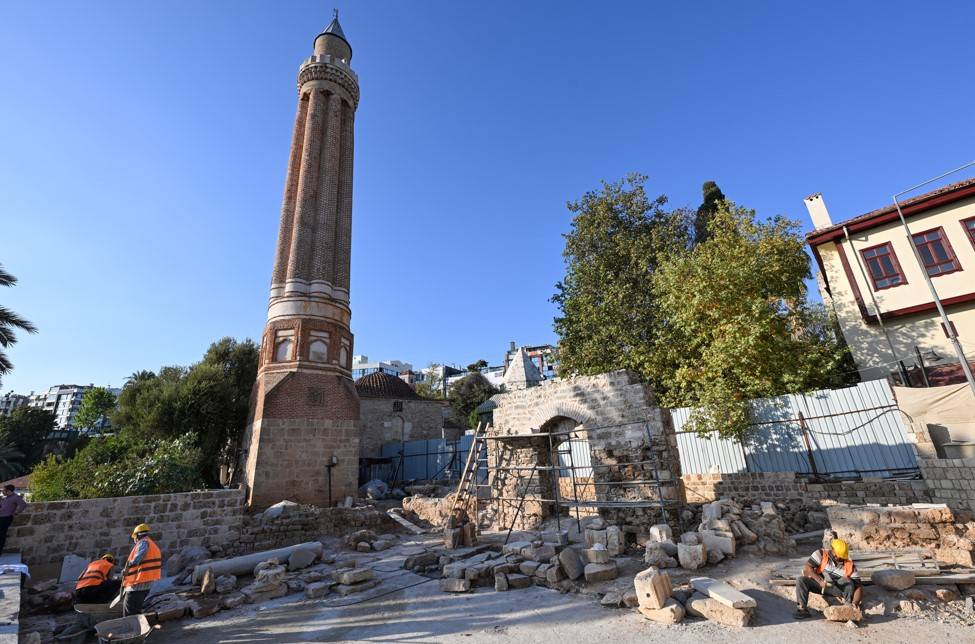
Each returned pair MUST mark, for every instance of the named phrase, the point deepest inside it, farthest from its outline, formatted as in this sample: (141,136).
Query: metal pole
(946,324)
(876,307)
(920,364)
(558,481)
(805,439)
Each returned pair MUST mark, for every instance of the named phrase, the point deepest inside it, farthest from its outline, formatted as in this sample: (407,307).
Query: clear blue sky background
(143,150)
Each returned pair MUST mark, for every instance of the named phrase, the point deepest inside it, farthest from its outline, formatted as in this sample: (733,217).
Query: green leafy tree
(467,393)
(208,400)
(431,387)
(8,322)
(608,317)
(738,323)
(27,429)
(11,462)
(712,199)
(94,408)
(477,366)
(120,466)
(140,376)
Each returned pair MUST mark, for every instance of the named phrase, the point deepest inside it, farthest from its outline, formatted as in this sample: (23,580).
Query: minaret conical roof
(335,29)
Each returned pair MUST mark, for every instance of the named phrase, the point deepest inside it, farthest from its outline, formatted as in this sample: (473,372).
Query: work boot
(801,613)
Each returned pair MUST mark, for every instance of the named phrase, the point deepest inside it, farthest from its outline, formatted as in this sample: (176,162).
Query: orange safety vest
(824,559)
(94,574)
(148,570)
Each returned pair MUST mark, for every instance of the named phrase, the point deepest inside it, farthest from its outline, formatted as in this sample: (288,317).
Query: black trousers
(843,587)
(132,602)
(4,526)
(103,593)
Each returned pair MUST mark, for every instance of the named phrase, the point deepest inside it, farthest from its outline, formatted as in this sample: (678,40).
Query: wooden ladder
(466,498)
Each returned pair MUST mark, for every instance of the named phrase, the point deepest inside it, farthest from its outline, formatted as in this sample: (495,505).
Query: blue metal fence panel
(431,459)
(856,430)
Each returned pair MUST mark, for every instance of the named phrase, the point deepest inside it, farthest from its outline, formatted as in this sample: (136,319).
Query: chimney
(817,211)
(511,346)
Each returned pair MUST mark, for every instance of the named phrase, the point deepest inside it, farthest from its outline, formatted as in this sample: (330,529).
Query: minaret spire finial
(335,13)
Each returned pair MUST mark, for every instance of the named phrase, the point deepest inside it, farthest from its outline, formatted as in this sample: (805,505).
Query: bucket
(133,629)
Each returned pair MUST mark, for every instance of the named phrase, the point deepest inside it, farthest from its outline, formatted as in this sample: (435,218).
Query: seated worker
(94,585)
(829,572)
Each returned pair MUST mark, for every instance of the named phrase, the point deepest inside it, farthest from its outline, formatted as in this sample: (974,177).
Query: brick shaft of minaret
(304,408)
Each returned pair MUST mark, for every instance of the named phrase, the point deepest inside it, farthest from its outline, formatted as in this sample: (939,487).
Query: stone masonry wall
(784,486)
(951,481)
(380,423)
(214,519)
(45,532)
(618,416)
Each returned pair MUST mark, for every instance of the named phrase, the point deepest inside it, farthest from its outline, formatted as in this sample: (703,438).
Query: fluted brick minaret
(304,407)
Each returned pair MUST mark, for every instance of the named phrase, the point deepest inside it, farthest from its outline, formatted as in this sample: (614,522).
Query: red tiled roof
(949,193)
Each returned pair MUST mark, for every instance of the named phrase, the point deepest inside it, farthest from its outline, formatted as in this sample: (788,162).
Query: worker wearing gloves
(94,585)
(829,571)
(143,567)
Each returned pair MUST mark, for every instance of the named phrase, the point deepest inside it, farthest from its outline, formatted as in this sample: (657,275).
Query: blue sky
(143,150)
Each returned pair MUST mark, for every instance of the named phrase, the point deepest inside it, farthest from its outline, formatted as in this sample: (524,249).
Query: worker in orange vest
(143,567)
(95,585)
(829,571)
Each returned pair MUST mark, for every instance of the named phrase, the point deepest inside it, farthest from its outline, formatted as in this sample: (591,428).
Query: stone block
(300,559)
(723,592)
(451,585)
(203,607)
(554,575)
(556,537)
(354,576)
(892,578)
(541,553)
(655,555)
(652,588)
(571,563)
(712,541)
(690,538)
(842,613)
(232,600)
(661,532)
(595,536)
(597,556)
(600,572)
(670,613)
(528,567)
(714,611)
(317,589)
(348,589)
(614,541)
(519,581)
(500,582)
(691,557)
(257,593)
(947,594)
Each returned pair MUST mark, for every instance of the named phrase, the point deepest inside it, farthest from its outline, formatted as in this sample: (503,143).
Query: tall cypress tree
(709,205)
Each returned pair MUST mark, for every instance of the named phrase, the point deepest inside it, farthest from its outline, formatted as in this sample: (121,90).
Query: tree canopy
(94,408)
(709,324)
(26,429)
(467,394)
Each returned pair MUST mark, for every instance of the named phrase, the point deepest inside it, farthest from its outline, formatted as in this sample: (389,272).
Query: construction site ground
(407,607)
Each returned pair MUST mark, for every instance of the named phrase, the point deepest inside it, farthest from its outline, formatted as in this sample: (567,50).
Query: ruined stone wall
(618,416)
(951,481)
(301,523)
(951,536)
(45,532)
(783,486)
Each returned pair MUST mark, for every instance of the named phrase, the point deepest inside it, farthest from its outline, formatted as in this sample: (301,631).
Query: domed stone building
(391,412)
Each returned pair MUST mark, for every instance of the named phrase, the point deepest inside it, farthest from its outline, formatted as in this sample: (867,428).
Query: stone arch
(554,410)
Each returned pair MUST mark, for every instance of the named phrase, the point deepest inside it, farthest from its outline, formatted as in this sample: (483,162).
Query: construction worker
(143,567)
(829,571)
(94,585)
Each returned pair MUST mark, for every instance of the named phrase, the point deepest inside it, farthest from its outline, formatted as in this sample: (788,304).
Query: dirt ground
(407,607)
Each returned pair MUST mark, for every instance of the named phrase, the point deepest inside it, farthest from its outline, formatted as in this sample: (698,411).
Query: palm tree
(11,462)
(139,376)
(8,322)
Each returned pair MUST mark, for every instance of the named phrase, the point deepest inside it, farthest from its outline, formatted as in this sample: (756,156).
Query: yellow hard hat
(108,557)
(139,529)
(839,548)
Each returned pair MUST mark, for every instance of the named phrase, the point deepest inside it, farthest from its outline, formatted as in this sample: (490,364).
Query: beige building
(869,275)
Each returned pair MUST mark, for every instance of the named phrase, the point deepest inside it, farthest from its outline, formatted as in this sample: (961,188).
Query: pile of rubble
(724,527)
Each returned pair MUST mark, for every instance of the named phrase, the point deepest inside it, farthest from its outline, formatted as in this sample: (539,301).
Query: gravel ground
(411,608)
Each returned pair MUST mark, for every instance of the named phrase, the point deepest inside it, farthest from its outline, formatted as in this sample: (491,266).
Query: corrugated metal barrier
(840,432)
